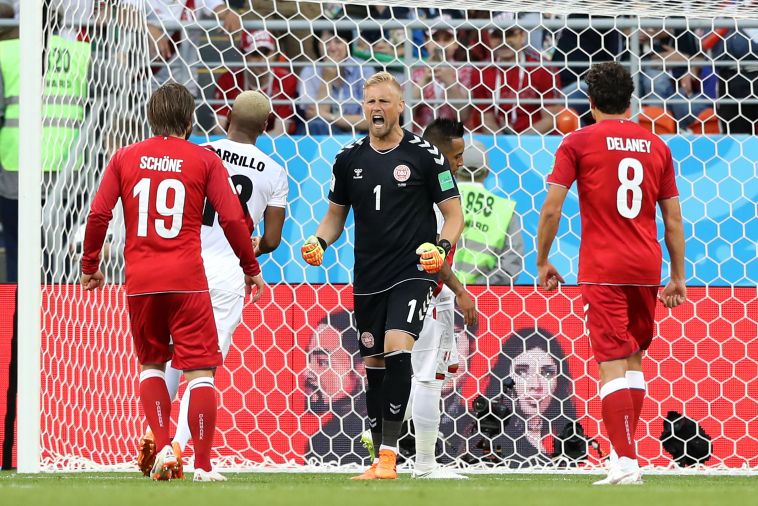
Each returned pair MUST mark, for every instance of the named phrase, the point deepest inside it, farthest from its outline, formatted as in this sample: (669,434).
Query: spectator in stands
(576,49)
(441,80)
(384,46)
(296,44)
(738,81)
(678,88)
(279,83)
(333,385)
(517,75)
(330,94)
(491,249)
(175,52)
(540,397)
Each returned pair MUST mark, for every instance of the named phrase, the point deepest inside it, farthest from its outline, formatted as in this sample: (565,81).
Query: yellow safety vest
(64,95)
(487,217)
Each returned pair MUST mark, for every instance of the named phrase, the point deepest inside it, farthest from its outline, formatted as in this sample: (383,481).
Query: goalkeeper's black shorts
(401,307)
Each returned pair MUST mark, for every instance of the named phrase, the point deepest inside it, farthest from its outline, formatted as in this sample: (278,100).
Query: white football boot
(202,475)
(165,464)
(439,473)
(625,472)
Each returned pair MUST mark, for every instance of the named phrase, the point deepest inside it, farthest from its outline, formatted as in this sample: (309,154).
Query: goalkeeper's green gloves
(312,250)
(433,256)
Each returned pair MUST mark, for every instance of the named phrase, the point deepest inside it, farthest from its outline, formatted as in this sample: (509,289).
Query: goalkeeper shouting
(391,178)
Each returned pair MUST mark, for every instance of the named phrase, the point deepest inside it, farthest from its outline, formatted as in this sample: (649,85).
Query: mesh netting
(291,390)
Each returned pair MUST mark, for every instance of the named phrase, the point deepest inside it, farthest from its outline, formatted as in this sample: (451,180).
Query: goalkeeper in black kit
(391,178)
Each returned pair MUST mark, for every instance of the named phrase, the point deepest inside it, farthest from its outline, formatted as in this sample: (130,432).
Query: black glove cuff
(322,243)
(445,245)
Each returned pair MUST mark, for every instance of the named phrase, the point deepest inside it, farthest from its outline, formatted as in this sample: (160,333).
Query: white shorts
(435,354)
(227,311)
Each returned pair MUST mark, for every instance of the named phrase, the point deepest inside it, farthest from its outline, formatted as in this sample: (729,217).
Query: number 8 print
(629,185)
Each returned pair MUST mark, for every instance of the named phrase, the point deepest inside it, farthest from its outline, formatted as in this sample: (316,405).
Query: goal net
(291,389)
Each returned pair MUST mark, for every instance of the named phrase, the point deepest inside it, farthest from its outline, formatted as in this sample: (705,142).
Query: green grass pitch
(271,489)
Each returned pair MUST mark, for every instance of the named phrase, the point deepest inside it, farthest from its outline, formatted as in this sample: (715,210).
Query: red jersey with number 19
(622,171)
(162,183)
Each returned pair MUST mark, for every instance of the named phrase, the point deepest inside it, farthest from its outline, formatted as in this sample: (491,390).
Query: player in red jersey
(621,171)
(163,183)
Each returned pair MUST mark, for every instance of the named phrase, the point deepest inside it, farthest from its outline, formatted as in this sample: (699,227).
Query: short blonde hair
(251,108)
(383,77)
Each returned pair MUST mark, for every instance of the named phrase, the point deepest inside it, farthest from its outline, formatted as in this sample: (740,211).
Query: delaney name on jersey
(633,145)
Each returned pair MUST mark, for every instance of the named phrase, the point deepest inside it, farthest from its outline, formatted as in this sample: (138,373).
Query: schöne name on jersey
(633,145)
(240,160)
(164,164)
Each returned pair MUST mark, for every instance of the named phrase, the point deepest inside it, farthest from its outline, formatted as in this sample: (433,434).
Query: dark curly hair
(443,130)
(610,87)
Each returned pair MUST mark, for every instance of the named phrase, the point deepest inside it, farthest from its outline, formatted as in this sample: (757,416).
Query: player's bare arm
(550,219)
(273,222)
(675,292)
(452,212)
(328,231)
(462,297)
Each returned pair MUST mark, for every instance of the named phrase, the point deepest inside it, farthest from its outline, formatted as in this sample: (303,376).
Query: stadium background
(704,365)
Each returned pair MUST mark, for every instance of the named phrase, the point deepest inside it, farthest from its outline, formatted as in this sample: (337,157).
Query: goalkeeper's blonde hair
(383,77)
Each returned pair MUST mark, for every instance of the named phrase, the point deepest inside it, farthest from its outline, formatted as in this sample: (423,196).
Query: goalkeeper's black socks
(396,391)
(375,380)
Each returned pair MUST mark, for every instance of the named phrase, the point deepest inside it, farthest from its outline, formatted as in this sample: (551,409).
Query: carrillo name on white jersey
(239,159)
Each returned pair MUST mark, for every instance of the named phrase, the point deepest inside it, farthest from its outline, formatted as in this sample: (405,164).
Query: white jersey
(260,182)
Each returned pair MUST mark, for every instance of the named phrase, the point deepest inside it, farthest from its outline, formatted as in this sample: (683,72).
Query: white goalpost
(291,390)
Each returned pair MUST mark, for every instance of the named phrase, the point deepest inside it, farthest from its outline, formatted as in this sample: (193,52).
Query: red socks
(619,416)
(201,417)
(156,404)
(637,390)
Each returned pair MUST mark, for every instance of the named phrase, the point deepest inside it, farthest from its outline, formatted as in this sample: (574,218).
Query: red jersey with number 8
(163,183)
(622,170)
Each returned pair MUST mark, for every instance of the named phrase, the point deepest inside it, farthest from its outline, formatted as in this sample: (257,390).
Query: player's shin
(202,419)
(396,390)
(426,421)
(156,404)
(618,416)
(375,380)
(637,390)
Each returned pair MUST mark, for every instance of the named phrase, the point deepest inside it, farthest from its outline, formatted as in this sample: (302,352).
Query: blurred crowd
(497,72)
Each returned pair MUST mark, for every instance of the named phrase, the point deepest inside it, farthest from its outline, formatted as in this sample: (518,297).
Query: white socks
(173,377)
(426,420)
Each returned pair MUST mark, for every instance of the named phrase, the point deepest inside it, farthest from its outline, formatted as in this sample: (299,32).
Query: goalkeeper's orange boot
(387,468)
(178,471)
(368,474)
(146,453)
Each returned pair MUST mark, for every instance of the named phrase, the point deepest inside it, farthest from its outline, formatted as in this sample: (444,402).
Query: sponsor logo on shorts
(402,173)
(367,338)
